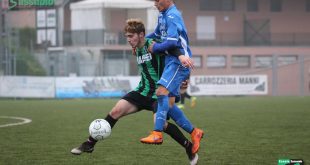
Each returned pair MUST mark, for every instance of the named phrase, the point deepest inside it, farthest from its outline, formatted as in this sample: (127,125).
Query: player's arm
(185,60)
(172,43)
(153,35)
(174,51)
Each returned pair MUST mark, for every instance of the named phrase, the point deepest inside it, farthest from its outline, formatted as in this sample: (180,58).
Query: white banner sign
(228,85)
(31,87)
(93,87)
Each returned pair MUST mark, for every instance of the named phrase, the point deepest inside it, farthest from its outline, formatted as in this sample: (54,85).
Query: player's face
(162,5)
(133,39)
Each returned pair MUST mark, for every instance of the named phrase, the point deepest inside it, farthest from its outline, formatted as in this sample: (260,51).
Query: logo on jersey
(144,58)
(162,27)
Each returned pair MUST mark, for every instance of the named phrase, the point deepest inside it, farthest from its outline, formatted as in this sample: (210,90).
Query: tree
(26,63)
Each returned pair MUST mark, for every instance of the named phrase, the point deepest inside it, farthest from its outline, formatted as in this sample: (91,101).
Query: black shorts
(142,102)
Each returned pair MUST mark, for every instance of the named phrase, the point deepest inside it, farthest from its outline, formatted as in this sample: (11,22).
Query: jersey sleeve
(173,27)
(172,35)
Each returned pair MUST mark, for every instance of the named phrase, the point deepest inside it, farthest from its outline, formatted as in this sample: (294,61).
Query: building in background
(270,37)
(43,23)
(97,33)
(227,37)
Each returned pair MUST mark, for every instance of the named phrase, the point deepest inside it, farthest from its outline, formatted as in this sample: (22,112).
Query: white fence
(106,87)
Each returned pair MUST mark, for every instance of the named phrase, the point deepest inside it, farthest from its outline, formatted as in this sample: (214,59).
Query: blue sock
(180,119)
(161,114)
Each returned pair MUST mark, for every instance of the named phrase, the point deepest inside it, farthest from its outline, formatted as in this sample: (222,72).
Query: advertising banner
(27,87)
(109,87)
(228,85)
(94,87)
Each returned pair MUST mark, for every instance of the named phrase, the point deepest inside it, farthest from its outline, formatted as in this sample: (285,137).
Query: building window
(216,61)
(252,5)
(217,5)
(239,61)
(197,61)
(228,5)
(287,59)
(209,5)
(275,5)
(308,5)
(205,28)
(264,61)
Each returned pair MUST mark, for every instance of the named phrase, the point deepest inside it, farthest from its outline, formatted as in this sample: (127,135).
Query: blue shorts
(173,76)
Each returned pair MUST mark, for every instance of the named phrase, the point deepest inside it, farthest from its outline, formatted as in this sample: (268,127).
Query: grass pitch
(241,130)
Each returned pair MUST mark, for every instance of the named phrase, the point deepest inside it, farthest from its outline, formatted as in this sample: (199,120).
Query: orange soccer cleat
(154,138)
(197,135)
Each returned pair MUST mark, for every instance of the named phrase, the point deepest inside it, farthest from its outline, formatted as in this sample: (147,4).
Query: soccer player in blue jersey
(143,96)
(171,30)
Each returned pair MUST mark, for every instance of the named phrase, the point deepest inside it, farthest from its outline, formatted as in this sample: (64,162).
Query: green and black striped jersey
(150,67)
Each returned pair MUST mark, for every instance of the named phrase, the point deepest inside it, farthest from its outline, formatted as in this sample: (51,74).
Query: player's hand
(186,61)
(150,49)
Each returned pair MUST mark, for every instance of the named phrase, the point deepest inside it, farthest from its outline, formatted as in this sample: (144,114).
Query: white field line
(24,121)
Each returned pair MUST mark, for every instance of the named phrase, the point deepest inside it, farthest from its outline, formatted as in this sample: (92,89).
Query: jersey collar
(170,8)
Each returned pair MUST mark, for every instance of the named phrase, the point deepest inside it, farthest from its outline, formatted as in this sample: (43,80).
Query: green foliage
(27,64)
(21,43)
(244,130)
(27,36)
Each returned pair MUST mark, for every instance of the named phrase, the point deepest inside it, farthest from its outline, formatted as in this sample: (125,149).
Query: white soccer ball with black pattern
(99,129)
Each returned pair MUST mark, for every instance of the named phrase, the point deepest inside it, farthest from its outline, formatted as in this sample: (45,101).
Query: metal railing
(105,37)
(93,37)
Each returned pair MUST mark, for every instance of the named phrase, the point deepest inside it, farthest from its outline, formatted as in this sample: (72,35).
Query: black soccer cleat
(84,147)
(188,150)
(193,158)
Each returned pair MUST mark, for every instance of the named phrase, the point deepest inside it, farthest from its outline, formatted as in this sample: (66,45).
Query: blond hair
(134,25)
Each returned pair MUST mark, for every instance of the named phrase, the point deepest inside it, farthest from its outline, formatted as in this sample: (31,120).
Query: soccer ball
(99,129)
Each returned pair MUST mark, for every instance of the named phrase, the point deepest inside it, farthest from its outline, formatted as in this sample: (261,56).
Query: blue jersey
(172,31)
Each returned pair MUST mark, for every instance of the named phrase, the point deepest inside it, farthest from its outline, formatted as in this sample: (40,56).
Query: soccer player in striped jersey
(143,96)
(172,31)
